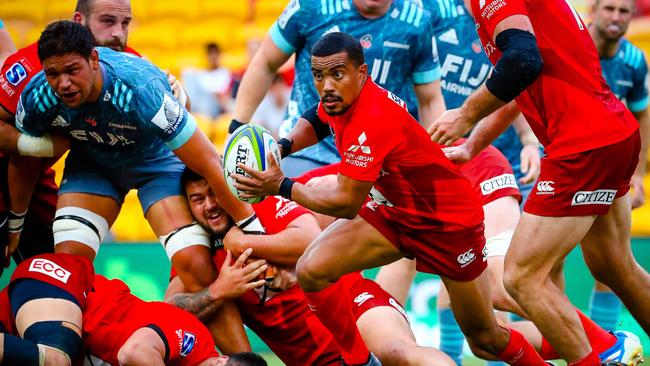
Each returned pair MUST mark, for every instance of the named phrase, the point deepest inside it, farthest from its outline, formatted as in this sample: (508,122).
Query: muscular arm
(22,178)
(202,303)
(257,79)
(200,156)
(431,103)
(490,128)
(344,200)
(284,247)
(302,135)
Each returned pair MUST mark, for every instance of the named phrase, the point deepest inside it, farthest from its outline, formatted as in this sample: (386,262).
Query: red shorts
(491,175)
(458,255)
(6,321)
(367,294)
(585,183)
(72,273)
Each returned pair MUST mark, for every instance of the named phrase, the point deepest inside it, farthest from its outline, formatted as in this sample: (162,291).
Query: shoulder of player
(632,55)
(38,95)
(411,14)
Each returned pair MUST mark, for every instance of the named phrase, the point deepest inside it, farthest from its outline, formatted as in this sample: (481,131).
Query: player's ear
(363,71)
(78,18)
(94,59)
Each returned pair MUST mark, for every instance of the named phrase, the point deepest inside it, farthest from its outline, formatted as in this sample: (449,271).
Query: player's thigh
(396,278)
(347,246)
(384,329)
(169,214)
(608,241)
(501,215)
(540,243)
(105,206)
(48,309)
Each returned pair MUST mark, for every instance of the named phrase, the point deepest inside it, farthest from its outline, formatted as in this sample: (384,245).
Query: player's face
(612,17)
(338,81)
(205,209)
(109,22)
(73,77)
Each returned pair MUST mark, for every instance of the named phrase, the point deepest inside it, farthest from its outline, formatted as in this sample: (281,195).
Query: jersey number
(380,67)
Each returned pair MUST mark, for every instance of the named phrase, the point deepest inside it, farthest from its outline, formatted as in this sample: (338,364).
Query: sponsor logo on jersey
(91,121)
(16,74)
(361,139)
(466,258)
(489,49)
(396,99)
(463,66)
(501,182)
(186,342)
(50,269)
(363,297)
(283,207)
(546,187)
(59,121)
(449,36)
(401,46)
(476,46)
(488,10)
(366,41)
(598,197)
(169,116)
(108,138)
(625,83)
(122,126)
(107,96)
(291,9)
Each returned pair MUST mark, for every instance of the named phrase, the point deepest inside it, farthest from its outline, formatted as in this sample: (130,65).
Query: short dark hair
(337,42)
(64,37)
(213,47)
(83,6)
(246,359)
(189,176)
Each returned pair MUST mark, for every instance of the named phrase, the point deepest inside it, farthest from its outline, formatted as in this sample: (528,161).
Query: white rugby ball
(249,144)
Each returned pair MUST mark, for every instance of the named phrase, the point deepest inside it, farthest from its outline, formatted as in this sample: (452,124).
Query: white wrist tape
(41,147)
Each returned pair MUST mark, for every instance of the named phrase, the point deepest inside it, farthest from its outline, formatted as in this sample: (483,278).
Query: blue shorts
(155,177)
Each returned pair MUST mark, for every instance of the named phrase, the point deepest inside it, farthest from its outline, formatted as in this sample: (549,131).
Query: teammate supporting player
(398,42)
(563,209)
(420,205)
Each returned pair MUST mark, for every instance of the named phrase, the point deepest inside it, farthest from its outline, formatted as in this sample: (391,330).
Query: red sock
(332,306)
(599,339)
(592,359)
(548,352)
(519,352)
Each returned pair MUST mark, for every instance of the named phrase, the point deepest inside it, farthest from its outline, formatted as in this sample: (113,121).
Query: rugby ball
(249,144)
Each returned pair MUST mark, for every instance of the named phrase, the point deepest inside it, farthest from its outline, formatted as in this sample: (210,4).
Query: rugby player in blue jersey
(398,43)
(127,131)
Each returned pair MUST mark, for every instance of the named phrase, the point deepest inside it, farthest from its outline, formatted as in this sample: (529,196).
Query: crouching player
(41,310)
(285,322)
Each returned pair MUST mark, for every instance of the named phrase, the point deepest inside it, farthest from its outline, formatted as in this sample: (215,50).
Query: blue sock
(451,337)
(605,309)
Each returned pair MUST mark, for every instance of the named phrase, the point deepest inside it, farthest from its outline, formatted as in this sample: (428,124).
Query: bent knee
(312,277)
(56,358)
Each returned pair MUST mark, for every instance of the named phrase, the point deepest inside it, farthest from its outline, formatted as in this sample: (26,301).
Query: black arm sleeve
(322,129)
(519,66)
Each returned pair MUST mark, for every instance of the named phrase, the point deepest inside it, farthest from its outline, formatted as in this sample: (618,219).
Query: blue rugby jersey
(135,116)
(627,75)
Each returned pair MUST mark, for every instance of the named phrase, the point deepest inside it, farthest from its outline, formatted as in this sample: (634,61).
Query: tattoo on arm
(201,304)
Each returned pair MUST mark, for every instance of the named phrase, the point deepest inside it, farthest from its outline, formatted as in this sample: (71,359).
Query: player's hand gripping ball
(249,145)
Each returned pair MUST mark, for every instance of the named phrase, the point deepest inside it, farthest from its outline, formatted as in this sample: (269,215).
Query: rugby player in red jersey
(545,58)
(285,322)
(41,310)
(421,206)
